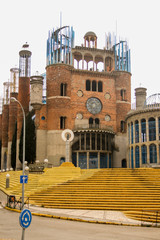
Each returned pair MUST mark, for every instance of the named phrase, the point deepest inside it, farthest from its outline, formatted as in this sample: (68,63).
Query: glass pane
(103,142)
(88,141)
(83,160)
(93,160)
(137,156)
(103,160)
(93,141)
(82,141)
(74,159)
(98,141)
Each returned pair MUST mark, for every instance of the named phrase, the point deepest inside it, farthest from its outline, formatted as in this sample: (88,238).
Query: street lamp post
(23,163)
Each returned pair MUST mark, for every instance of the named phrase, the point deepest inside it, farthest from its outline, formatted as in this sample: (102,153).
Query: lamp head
(13,99)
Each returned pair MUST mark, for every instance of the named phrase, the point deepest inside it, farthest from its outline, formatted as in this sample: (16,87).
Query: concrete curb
(75,219)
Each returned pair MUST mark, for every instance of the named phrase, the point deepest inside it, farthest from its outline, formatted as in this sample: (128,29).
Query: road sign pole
(23,231)
(23,165)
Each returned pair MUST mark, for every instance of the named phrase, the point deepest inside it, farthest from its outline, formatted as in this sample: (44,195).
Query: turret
(140,94)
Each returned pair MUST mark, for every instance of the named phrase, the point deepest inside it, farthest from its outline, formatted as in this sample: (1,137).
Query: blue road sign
(25,218)
(23,179)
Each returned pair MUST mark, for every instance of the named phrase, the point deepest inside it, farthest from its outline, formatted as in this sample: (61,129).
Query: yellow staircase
(129,190)
(37,182)
(108,189)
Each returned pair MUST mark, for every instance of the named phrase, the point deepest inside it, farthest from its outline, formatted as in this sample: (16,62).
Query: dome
(153,99)
(90,34)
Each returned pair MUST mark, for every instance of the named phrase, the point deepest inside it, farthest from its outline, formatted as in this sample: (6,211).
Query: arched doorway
(124,163)
(62,160)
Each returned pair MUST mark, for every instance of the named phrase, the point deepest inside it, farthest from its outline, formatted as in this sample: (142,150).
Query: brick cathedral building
(84,89)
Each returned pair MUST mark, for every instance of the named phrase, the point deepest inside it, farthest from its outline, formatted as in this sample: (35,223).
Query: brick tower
(88,92)
(24,91)
(12,110)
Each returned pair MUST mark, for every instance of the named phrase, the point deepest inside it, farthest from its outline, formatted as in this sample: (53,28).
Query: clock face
(94,105)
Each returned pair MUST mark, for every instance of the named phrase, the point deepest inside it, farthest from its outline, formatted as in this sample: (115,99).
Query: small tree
(30,140)
(14,148)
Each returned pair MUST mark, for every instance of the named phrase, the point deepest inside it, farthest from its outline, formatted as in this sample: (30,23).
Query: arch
(62,160)
(152,129)
(100,86)
(89,60)
(122,126)
(77,57)
(136,131)
(94,86)
(144,154)
(88,85)
(99,63)
(97,122)
(137,156)
(124,163)
(143,130)
(90,122)
(131,132)
(63,89)
(100,67)
(153,153)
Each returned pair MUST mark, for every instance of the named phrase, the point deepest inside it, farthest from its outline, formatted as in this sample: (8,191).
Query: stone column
(98,159)
(157,129)
(147,130)
(82,62)
(87,160)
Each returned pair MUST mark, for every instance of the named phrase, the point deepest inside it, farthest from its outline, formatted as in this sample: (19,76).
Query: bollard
(7,180)
(26,170)
(45,163)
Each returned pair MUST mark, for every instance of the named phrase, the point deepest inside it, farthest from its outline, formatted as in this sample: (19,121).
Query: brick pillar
(11,127)
(5,118)
(23,98)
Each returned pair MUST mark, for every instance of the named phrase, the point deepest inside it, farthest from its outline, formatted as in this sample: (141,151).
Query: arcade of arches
(92,149)
(143,142)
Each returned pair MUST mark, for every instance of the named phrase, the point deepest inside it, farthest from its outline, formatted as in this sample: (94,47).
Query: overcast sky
(29,21)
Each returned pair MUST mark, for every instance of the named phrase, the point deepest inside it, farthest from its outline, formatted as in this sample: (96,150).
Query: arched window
(136,131)
(132,165)
(143,130)
(153,153)
(124,163)
(137,156)
(94,86)
(63,90)
(152,129)
(123,94)
(90,122)
(100,88)
(62,122)
(96,122)
(122,126)
(144,154)
(88,85)
(131,132)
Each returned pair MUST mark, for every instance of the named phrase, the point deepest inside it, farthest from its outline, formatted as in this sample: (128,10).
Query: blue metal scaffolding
(121,51)
(59,45)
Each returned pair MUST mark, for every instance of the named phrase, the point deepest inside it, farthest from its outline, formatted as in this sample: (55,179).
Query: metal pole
(24,126)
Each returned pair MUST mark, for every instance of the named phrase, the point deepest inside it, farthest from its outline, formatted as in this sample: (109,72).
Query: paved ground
(88,215)
(55,229)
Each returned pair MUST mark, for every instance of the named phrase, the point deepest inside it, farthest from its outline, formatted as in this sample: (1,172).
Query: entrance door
(93,160)
(124,163)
